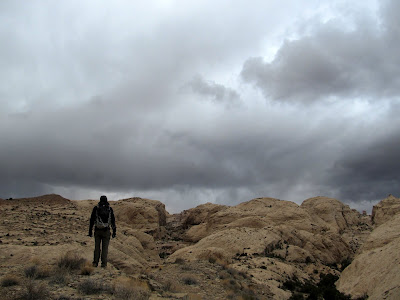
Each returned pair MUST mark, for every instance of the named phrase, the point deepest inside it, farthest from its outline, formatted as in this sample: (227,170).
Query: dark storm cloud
(370,170)
(331,61)
(94,103)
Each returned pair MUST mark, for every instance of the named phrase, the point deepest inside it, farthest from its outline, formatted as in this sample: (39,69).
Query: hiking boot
(95,264)
(103,266)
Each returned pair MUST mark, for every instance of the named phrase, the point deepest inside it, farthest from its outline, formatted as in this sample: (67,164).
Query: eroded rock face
(267,226)
(147,215)
(200,214)
(385,210)
(375,271)
(331,213)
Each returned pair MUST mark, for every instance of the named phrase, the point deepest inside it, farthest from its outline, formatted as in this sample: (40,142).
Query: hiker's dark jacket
(104,219)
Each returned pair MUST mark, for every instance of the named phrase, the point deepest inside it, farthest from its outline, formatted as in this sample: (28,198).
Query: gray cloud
(92,104)
(369,171)
(333,62)
(214,91)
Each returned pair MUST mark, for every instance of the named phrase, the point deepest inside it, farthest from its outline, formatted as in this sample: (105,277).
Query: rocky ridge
(264,248)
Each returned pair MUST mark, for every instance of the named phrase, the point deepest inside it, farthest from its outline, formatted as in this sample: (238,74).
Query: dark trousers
(101,238)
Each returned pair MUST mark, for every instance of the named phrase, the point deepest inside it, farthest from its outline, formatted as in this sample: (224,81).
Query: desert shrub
(189,280)
(60,277)
(186,267)
(345,263)
(180,261)
(87,269)
(231,271)
(291,284)
(170,286)
(242,295)
(248,295)
(31,271)
(298,296)
(328,288)
(212,260)
(70,261)
(223,274)
(124,292)
(214,257)
(325,289)
(34,291)
(37,272)
(9,280)
(90,287)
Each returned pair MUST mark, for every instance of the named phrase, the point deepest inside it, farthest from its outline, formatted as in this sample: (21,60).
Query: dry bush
(124,292)
(189,280)
(70,261)
(171,286)
(60,277)
(223,274)
(37,272)
(238,290)
(9,280)
(90,287)
(31,271)
(87,269)
(34,291)
(126,288)
(215,258)
(179,261)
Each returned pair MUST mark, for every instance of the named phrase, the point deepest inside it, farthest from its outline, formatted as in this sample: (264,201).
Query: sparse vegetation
(70,261)
(212,260)
(189,280)
(9,280)
(170,286)
(325,289)
(269,250)
(345,263)
(37,272)
(31,271)
(34,291)
(180,261)
(90,287)
(60,277)
(124,292)
(86,269)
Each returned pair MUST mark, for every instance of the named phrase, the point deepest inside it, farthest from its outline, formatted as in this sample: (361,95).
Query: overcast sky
(190,102)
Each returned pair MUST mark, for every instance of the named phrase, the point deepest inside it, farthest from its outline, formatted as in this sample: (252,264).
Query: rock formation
(375,271)
(264,248)
(385,210)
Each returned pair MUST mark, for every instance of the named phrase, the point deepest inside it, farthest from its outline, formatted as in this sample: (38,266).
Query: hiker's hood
(102,203)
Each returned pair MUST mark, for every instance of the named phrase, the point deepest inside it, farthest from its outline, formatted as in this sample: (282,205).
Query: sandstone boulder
(200,214)
(331,213)
(375,272)
(385,209)
(144,214)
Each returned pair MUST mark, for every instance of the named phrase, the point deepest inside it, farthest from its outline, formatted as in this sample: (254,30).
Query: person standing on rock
(102,218)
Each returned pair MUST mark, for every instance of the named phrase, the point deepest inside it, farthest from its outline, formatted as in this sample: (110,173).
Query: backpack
(103,212)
